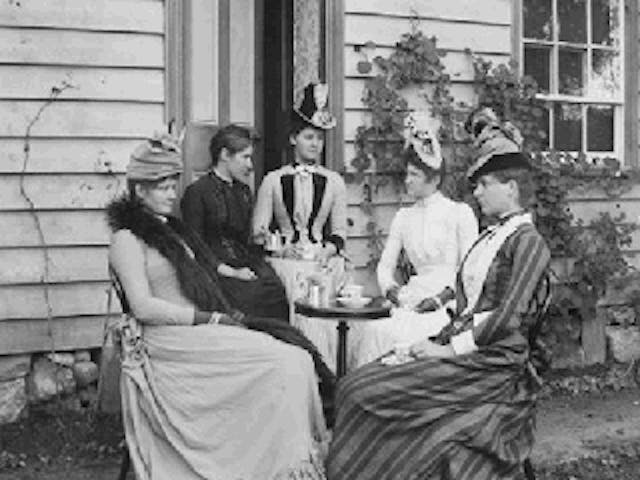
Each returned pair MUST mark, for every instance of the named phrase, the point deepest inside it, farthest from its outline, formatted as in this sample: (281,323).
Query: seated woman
(306,201)
(307,204)
(461,406)
(219,206)
(434,233)
(203,396)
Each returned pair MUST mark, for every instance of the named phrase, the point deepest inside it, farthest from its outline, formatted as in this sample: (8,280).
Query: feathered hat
(313,109)
(418,135)
(498,144)
(157,158)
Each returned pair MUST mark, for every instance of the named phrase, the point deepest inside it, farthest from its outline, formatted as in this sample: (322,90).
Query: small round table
(376,310)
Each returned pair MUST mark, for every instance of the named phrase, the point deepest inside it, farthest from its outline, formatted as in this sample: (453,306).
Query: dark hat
(313,109)
(498,144)
(157,158)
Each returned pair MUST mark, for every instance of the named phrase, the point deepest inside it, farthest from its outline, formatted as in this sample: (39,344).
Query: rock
(624,343)
(65,359)
(48,379)
(14,366)
(13,399)
(82,356)
(85,373)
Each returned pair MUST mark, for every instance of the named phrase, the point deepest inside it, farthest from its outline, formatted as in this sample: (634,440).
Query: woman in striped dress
(460,405)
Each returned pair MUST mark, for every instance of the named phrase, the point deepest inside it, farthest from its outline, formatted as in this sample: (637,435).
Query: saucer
(353,302)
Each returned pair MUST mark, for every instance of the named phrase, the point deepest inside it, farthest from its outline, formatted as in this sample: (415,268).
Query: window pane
(537,19)
(604,21)
(536,64)
(543,126)
(567,124)
(605,79)
(572,20)
(600,128)
(571,71)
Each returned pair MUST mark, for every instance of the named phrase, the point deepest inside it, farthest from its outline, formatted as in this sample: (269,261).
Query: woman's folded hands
(242,273)
(431,304)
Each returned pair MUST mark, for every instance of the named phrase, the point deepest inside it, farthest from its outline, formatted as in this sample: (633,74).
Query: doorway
(291,54)
(276,80)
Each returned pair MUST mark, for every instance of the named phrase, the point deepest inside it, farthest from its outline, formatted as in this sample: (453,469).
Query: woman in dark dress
(219,207)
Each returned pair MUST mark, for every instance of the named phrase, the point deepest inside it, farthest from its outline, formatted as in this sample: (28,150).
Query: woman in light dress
(205,394)
(434,233)
(307,203)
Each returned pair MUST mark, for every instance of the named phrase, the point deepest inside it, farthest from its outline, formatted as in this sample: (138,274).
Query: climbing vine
(54,93)
(594,250)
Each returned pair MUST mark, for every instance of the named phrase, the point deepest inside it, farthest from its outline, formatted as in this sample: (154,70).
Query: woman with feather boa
(208,392)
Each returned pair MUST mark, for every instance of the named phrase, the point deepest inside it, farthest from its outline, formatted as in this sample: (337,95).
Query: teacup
(352,291)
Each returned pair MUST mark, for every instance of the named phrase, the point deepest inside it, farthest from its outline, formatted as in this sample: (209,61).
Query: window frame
(626,109)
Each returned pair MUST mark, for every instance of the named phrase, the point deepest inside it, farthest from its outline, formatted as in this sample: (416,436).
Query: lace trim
(311,468)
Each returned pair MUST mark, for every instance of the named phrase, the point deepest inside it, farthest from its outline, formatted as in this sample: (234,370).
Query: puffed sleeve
(466,230)
(390,254)
(530,261)
(263,212)
(126,257)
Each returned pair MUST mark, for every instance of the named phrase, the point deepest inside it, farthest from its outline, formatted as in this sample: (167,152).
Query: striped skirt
(469,417)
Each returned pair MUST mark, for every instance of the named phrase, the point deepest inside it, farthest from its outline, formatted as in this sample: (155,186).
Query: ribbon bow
(304,170)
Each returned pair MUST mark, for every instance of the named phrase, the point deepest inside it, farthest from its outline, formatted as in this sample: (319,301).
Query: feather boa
(196,269)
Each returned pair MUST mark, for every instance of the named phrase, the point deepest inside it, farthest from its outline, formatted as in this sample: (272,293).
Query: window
(574,50)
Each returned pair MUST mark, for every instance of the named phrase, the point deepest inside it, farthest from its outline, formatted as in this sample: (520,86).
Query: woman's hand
(392,295)
(427,348)
(244,273)
(328,251)
(429,304)
(230,321)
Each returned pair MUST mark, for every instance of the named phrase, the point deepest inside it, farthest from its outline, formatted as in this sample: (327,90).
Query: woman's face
(307,144)
(418,186)
(240,164)
(493,196)
(159,197)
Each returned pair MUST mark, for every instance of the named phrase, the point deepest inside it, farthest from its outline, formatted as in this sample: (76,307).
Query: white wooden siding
(112,53)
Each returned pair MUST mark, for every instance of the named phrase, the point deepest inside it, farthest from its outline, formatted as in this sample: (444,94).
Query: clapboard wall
(485,27)
(111,54)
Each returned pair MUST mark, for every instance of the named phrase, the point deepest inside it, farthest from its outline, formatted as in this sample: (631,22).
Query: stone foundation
(39,377)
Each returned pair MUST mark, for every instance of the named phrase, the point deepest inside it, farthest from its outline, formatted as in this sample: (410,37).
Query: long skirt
(263,297)
(218,402)
(469,417)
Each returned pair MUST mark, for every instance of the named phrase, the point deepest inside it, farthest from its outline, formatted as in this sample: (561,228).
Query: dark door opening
(275,82)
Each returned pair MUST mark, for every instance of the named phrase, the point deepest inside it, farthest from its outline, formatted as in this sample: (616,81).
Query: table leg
(341,367)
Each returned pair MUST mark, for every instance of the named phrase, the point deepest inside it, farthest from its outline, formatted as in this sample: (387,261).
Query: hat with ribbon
(498,144)
(157,158)
(418,135)
(313,109)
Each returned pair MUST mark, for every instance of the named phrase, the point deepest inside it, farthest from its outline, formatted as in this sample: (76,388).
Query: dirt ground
(586,437)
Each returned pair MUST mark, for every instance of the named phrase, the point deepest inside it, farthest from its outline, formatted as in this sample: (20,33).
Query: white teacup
(352,291)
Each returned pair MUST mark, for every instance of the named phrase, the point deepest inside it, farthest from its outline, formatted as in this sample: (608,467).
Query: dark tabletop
(377,309)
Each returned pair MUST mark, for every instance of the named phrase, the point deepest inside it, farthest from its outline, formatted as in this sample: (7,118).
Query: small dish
(353,302)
